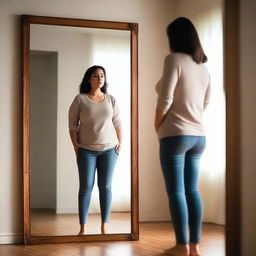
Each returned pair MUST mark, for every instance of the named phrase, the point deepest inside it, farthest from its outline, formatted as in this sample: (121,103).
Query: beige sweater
(183,94)
(95,122)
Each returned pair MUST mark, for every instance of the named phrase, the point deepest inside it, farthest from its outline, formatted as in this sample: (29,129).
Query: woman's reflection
(95,131)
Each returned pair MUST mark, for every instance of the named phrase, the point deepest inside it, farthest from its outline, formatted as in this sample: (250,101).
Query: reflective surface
(59,56)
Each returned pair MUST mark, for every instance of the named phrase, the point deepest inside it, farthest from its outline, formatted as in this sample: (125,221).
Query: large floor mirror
(56,53)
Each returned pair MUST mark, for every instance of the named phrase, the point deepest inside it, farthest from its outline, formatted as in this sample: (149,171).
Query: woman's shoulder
(173,59)
(78,97)
(110,98)
(172,62)
(181,56)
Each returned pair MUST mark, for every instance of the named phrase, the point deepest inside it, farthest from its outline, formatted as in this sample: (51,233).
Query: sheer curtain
(112,51)
(212,177)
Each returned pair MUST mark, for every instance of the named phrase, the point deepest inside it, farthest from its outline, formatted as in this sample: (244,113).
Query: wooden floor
(154,239)
(45,222)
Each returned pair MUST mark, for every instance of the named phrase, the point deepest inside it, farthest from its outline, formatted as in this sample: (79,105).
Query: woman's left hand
(118,147)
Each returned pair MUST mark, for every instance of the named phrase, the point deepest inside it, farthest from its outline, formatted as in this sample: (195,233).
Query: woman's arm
(119,136)
(207,94)
(159,118)
(73,136)
(166,87)
(73,121)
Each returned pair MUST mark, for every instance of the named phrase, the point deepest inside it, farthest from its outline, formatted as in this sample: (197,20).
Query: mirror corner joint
(134,27)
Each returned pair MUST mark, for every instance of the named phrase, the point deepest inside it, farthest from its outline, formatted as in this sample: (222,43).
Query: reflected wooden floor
(154,238)
(45,222)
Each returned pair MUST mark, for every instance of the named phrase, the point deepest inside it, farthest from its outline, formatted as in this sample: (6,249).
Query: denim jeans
(180,157)
(88,161)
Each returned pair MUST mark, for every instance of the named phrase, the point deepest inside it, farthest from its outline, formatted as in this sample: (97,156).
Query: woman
(183,94)
(95,131)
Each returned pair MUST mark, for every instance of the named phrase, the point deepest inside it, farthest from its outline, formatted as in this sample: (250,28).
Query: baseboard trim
(11,238)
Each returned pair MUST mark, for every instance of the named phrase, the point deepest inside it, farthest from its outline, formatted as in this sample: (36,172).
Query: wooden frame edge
(61,21)
(25,84)
(79,239)
(135,152)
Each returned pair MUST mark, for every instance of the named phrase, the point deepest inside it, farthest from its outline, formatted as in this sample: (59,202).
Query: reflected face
(97,79)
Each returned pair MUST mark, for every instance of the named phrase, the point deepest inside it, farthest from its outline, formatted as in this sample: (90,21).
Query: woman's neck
(96,92)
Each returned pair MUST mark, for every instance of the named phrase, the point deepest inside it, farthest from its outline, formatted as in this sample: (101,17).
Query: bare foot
(104,228)
(194,249)
(82,230)
(178,249)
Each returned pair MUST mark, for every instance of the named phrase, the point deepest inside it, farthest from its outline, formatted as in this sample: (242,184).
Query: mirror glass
(59,57)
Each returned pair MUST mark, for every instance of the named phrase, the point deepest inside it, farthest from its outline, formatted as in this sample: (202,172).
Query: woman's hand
(76,146)
(73,136)
(159,118)
(118,147)
(119,137)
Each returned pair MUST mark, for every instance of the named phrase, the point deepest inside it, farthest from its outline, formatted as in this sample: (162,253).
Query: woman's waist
(180,127)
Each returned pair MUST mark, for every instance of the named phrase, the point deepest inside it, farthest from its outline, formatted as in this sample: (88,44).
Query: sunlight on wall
(212,181)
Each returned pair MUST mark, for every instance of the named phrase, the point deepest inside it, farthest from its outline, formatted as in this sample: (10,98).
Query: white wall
(248,124)
(43,117)
(152,16)
(190,9)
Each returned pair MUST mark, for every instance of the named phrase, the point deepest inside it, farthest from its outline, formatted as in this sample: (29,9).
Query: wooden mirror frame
(133,28)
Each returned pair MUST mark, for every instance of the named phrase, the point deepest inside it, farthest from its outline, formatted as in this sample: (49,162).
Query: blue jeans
(88,161)
(180,157)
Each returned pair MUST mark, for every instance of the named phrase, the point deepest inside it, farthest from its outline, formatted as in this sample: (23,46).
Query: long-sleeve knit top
(183,94)
(95,122)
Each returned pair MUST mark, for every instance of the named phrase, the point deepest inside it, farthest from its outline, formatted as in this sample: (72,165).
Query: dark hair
(184,38)
(85,85)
